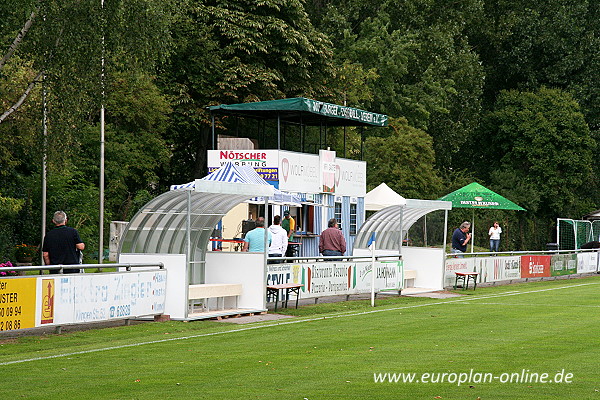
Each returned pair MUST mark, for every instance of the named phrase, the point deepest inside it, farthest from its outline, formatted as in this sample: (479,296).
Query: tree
(404,160)
(426,70)
(237,51)
(537,149)
(61,43)
(525,45)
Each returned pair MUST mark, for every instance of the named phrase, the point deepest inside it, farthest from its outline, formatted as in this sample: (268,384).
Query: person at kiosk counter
(332,241)
(279,243)
(255,239)
(289,224)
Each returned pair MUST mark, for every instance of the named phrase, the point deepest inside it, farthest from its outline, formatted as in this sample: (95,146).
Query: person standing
(254,240)
(332,241)
(279,240)
(460,238)
(62,245)
(289,224)
(494,234)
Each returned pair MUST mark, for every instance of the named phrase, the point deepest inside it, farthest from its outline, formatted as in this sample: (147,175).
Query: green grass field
(334,351)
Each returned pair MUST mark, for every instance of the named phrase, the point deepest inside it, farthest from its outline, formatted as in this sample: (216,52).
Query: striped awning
(232,173)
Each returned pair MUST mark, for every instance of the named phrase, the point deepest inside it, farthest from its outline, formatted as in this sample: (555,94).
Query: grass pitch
(502,339)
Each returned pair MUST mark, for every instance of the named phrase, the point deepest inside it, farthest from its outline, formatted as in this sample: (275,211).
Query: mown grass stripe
(268,324)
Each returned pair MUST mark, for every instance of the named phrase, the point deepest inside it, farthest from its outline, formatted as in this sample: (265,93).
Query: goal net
(572,234)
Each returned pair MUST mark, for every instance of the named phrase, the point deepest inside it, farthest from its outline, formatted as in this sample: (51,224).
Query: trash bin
(551,246)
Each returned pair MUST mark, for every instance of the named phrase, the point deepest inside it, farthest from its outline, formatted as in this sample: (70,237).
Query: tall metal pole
(44,161)
(101,211)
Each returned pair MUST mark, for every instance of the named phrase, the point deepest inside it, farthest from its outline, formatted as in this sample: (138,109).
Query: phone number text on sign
(17,303)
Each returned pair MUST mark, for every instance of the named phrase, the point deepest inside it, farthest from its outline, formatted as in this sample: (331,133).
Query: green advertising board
(563,264)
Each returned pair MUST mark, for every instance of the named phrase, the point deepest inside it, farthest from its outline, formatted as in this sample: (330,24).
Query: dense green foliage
(499,92)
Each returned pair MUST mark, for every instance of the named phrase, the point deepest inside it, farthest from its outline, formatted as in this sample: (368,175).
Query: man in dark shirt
(460,238)
(332,242)
(62,245)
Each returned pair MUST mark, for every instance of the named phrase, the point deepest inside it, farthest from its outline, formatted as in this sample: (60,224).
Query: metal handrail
(516,253)
(347,258)
(60,268)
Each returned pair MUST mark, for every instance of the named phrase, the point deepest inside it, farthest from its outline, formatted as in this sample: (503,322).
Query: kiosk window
(338,214)
(307,217)
(353,219)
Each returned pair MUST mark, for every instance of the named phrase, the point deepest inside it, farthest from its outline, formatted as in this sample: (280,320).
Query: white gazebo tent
(381,197)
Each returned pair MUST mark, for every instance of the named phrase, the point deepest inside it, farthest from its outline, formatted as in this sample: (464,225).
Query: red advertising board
(535,266)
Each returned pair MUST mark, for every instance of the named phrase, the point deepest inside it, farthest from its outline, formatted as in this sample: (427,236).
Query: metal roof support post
(558,232)
(362,139)
(344,141)
(473,232)
(401,228)
(278,131)
(444,246)
(320,135)
(266,252)
(188,246)
(212,125)
(301,135)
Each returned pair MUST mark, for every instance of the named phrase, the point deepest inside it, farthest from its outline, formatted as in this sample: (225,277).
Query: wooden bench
(273,290)
(211,291)
(409,278)
(465,277)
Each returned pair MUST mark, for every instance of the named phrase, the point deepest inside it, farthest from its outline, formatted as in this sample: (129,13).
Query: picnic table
(465,277)
(273,290)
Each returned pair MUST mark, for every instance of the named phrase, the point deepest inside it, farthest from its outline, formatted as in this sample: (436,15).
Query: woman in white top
(494,234)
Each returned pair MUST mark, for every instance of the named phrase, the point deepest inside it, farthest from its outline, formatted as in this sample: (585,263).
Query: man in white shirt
(279,241)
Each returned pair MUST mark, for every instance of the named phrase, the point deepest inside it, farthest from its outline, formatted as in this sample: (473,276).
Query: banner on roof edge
(264,162)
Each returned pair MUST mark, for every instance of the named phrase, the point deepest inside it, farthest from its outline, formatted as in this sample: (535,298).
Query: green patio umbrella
(477,196)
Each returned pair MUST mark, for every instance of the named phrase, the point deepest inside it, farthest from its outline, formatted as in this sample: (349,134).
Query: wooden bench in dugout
(210,291)
(464,278)
(273,290)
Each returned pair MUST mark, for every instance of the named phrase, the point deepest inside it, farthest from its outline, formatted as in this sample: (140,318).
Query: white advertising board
(350,177)
(457,265)
(327,172)
(490,269)
(587,262)
(337,278)
(80,298)
(299,172)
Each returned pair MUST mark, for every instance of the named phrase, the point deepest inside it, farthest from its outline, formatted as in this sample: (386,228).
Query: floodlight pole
(44,161)
(101,211)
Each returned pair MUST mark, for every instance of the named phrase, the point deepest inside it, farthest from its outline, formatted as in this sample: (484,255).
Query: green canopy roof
(303,111)
(475,195)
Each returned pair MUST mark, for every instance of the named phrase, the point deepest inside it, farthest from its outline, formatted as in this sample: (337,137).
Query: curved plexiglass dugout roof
(391,221)
(167,223)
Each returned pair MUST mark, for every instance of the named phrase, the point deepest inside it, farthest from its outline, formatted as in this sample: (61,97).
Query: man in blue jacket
(460,238)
